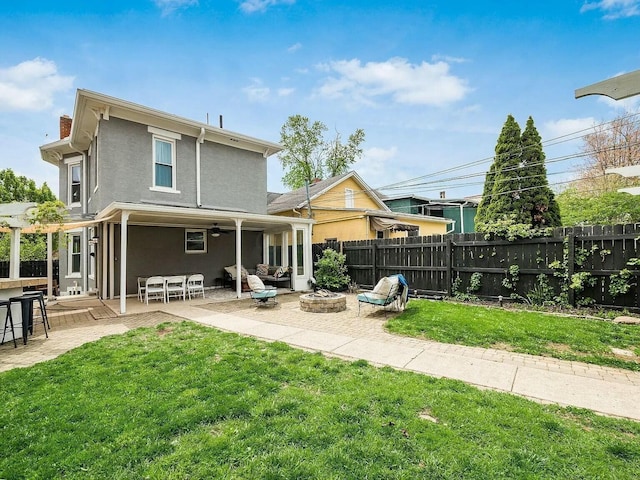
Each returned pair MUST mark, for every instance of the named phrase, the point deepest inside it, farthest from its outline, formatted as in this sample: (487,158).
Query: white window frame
(188,250)
(70,166)
(349,198)
(170,138)
(71,253)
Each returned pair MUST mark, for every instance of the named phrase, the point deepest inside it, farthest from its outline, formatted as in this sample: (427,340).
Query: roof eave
(90,106)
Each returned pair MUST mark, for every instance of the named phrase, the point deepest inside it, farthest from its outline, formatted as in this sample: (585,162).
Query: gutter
(199,141)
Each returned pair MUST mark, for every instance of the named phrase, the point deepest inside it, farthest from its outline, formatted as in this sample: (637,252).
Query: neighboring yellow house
(346,208)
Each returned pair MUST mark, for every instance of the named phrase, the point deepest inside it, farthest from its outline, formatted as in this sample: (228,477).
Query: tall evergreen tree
(485,201)
(538,199)
(516,188)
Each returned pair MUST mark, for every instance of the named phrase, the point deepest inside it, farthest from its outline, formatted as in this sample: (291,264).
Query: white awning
(53,227)
(381,224)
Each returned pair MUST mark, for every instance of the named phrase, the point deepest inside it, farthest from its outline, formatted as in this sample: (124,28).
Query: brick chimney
(65,126)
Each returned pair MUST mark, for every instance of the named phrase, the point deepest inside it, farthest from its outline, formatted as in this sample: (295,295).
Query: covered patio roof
(173,216)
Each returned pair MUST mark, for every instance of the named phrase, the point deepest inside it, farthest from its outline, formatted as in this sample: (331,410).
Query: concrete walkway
(604,390)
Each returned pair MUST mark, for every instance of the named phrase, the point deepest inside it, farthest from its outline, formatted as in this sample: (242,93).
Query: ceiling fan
(216,231)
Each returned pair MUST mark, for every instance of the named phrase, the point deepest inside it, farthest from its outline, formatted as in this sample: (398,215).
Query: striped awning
(381,224)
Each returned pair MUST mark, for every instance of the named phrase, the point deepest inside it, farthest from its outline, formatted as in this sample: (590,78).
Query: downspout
(199,141)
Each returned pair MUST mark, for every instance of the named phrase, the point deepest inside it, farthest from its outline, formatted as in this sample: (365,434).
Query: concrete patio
(346,335)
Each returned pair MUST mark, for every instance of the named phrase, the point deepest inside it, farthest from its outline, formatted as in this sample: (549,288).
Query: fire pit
(323,301)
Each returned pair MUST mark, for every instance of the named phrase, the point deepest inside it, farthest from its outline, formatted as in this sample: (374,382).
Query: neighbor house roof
(296,199)
(90,106)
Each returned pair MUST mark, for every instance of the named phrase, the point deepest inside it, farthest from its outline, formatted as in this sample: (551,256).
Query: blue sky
(430,82)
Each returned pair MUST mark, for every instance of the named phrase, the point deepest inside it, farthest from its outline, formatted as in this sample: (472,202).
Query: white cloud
(626,104)
(251,6)
(373,166)
(420,84)
(285,92)
(614,9)
(169,6)
(567,127)
(294,48)
(257,92)
(31,85)
(448,59)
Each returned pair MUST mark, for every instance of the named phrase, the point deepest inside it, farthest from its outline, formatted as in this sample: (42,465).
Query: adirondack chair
(387,291)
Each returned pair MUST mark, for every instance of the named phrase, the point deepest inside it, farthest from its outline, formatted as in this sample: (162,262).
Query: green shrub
(331,271)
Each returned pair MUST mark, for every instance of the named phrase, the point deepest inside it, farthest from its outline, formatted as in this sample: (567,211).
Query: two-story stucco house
(164,195)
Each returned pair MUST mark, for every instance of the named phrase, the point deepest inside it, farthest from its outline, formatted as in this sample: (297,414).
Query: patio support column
(123,262)
(105,258)
(112,263)
(294,258)
(238,258)
(49,265)
(308,250)
(14,257)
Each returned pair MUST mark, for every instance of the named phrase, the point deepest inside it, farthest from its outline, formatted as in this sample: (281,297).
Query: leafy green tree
(22,189)
(609,208)
(15,188)
(307,156)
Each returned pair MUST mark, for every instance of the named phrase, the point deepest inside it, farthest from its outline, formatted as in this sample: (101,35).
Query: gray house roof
(90,106)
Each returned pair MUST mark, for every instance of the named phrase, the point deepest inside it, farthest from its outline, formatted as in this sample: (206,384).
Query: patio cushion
(231,270)
(262,269)
(255,283)
(280,272)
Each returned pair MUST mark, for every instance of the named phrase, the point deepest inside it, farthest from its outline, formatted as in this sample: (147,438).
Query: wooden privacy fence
(31,268)
(590,258)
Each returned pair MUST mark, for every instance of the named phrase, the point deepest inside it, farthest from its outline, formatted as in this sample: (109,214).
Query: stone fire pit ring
(315,303)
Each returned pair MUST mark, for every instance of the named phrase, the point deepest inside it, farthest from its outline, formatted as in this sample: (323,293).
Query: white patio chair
(154,289)
(195,285)
(141,288)
(176,287)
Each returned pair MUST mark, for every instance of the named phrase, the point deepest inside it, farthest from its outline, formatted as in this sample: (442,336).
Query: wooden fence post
(449,260)
(374,262)
(571,261)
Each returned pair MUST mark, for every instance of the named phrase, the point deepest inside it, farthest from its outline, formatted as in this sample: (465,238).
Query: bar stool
(42,305)
(8,318)
(26,303)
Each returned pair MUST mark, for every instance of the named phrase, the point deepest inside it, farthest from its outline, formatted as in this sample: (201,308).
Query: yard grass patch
(565,337)
(186,401)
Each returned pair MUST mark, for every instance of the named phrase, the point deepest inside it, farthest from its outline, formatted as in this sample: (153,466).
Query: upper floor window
(164,160)
(348,198)
(75,184)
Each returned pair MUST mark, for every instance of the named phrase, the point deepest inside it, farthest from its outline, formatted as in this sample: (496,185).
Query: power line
(551,142)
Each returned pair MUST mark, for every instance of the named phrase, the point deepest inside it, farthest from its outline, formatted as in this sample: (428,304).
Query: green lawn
(185,401)
(569,338)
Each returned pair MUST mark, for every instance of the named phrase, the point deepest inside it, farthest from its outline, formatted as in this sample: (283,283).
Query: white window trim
(71,274)
(172,141)
(204,237)
(349,198)
(73,162)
